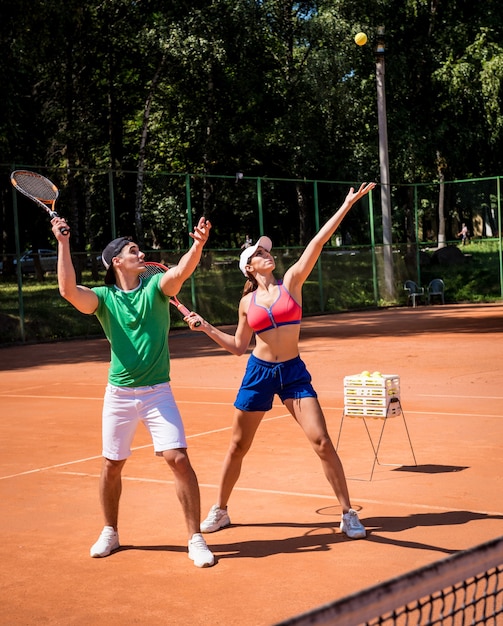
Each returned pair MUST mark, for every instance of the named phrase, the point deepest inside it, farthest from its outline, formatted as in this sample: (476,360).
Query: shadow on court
(322,537)
(394,322)
(431,469)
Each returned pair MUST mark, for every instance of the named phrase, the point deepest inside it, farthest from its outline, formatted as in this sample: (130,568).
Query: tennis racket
(153,268)
(39,189)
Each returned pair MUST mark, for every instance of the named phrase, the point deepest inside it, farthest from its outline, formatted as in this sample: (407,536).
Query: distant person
(248,242)
(134,313)
(464,234)
(272,309)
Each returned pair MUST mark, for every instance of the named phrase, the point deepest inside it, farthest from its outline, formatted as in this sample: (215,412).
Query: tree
(129,91)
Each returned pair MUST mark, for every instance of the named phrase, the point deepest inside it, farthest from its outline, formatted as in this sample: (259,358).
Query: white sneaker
(217,518)
(107,541)
(199,552)
(351,525)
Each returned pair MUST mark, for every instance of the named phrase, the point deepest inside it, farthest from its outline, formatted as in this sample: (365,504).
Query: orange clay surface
(284,553)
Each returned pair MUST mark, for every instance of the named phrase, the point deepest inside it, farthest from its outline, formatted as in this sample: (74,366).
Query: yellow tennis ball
(361,39)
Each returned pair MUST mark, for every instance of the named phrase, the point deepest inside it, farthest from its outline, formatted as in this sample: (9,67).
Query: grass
(343,280)
(476,280)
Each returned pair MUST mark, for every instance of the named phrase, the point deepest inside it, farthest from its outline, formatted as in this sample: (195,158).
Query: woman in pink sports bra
(272,310)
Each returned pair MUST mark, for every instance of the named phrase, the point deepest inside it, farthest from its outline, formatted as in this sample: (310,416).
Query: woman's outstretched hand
(353,196)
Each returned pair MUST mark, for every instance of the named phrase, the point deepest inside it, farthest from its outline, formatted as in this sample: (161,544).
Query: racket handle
(185,311)
(64,230)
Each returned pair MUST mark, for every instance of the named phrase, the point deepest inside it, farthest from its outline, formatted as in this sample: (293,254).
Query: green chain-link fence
(101,205)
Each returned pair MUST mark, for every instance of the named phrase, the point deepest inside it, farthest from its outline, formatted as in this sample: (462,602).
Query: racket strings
(152,270)
(37,187)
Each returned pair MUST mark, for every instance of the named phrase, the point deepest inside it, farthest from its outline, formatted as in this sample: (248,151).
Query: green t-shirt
(136,323)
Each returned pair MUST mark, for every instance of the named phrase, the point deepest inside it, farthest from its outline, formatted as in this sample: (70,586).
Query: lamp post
(384,166)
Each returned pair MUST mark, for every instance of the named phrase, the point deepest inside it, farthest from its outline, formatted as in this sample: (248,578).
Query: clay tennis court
(284,553)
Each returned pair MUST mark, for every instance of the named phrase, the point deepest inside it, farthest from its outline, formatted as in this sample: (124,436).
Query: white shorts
(125,407)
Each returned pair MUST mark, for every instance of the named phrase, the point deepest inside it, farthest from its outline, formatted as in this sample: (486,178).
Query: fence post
(111,195)
(189,229)
(18,267)
(188,204)
(259,205)
(416,226)
(500,223)
(318,262)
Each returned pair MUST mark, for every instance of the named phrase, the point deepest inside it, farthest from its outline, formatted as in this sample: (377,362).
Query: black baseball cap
(112,250)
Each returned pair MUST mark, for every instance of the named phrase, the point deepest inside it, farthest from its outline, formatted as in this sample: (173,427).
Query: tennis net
(460,590)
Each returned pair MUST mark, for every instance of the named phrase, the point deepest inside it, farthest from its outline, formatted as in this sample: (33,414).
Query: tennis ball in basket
(365,373)
(360,39)
(376,374)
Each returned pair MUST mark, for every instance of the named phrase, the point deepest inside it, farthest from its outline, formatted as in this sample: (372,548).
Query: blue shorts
(263,379)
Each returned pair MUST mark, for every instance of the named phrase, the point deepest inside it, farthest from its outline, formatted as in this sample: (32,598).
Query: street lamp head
(380,44)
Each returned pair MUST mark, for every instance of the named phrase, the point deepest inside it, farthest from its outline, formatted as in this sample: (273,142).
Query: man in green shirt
(134,313)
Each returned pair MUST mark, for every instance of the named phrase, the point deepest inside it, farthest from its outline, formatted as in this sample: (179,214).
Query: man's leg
(110,490)
(186,487)
(187,491)
(110,493)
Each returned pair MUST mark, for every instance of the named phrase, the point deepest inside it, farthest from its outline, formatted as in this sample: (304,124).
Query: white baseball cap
(263,242)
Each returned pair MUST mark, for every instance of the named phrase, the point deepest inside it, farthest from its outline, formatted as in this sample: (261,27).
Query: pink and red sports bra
(283,311)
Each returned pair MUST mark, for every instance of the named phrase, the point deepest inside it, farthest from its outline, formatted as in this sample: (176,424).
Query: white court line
(206,403)
(33,397)
(457,396)
(42,397)
(149,445)
(80,398)
(297,494)
(237,488)
(449,414)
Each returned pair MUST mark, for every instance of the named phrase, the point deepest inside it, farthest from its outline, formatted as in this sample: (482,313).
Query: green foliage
(476,280)
(274,89)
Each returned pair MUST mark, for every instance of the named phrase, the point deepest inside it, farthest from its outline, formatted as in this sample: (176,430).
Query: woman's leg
(244,427)
(308,413)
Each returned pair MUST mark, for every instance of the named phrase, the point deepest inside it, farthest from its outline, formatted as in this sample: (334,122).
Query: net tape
(465,588)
